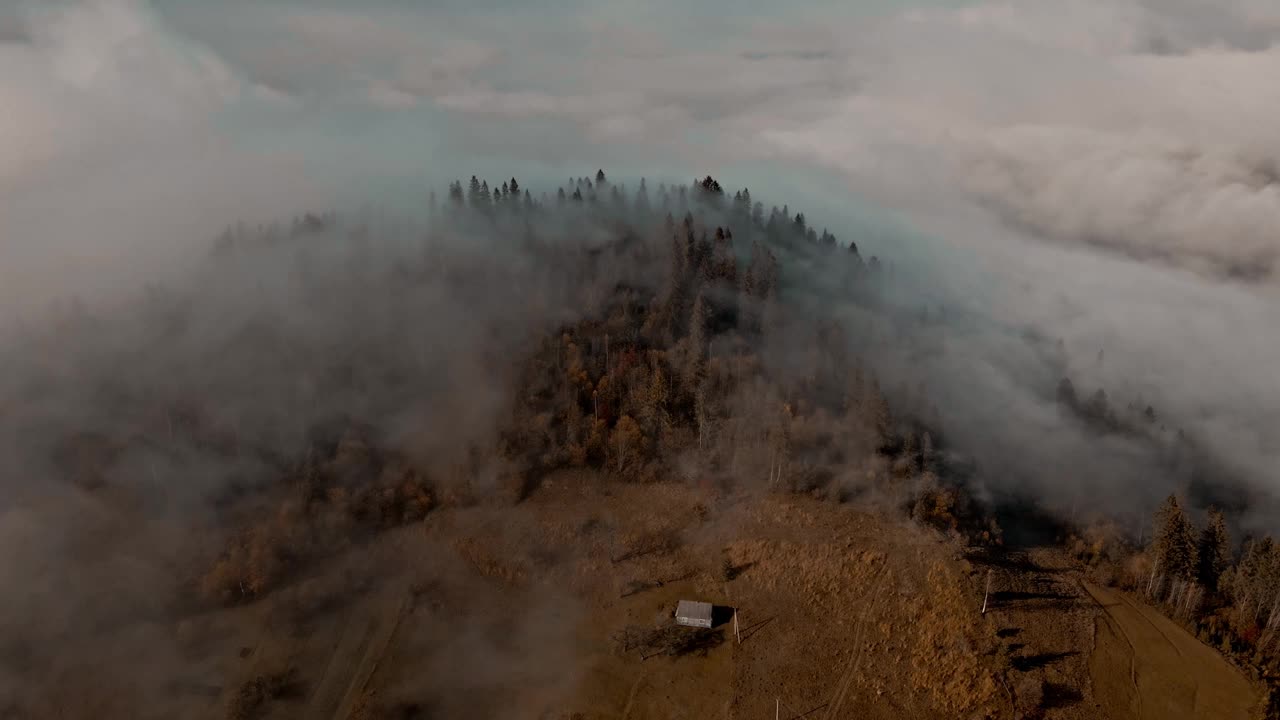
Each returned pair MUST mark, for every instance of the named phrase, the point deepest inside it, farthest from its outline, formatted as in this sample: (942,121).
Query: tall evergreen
(1214,554)
(1174,541)
(642,199)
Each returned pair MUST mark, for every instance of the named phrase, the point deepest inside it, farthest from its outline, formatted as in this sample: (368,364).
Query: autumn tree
(627,443)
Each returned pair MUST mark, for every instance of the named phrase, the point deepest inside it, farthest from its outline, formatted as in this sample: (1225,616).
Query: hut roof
(691,612)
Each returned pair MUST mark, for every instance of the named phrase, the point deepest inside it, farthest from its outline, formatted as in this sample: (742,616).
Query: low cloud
(114,153)
(1104,174)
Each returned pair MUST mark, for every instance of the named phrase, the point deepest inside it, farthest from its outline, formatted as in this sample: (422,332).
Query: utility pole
(986,595)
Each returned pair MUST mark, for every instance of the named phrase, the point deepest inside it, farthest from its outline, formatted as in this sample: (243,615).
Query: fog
(1104,176)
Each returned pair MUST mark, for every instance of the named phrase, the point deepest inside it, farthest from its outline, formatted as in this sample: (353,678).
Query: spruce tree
(695,366)
(642,200)
(928,457)
(878,418)
(1214,554)
(1066,393)
(1174,541)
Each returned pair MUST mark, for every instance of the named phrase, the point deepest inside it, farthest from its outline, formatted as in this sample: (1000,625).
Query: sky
(1105,171)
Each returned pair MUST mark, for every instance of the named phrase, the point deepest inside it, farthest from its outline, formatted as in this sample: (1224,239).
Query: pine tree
(642,200)
(1066,393)
(928,458)
(1214,554)
(1174,541)
(695,368)
(1099,407)
(879,418)
(910,458)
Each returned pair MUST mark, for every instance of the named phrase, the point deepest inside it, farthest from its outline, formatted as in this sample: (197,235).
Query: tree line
(1231,595)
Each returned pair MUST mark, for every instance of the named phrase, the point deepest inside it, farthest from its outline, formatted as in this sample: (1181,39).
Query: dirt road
(1146,667)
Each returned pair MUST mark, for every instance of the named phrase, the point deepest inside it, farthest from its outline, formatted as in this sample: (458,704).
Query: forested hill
(354,372)
(307,387)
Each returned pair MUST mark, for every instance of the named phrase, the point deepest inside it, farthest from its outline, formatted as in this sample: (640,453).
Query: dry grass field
(559,607)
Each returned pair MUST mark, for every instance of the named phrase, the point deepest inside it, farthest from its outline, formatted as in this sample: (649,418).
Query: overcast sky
(1107,171)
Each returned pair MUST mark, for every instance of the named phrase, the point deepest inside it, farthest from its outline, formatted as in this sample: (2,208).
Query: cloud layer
(1137,127)
(1105,173)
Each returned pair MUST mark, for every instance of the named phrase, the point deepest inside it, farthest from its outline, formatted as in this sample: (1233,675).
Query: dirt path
(381,632)
(1146,667)
(631,698)
(369,630)
(874,593)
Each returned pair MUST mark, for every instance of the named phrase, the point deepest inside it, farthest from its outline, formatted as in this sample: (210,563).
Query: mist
(1024,177)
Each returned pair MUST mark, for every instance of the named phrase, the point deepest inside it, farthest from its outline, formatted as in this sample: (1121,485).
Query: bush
(670,640)
(256,692)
